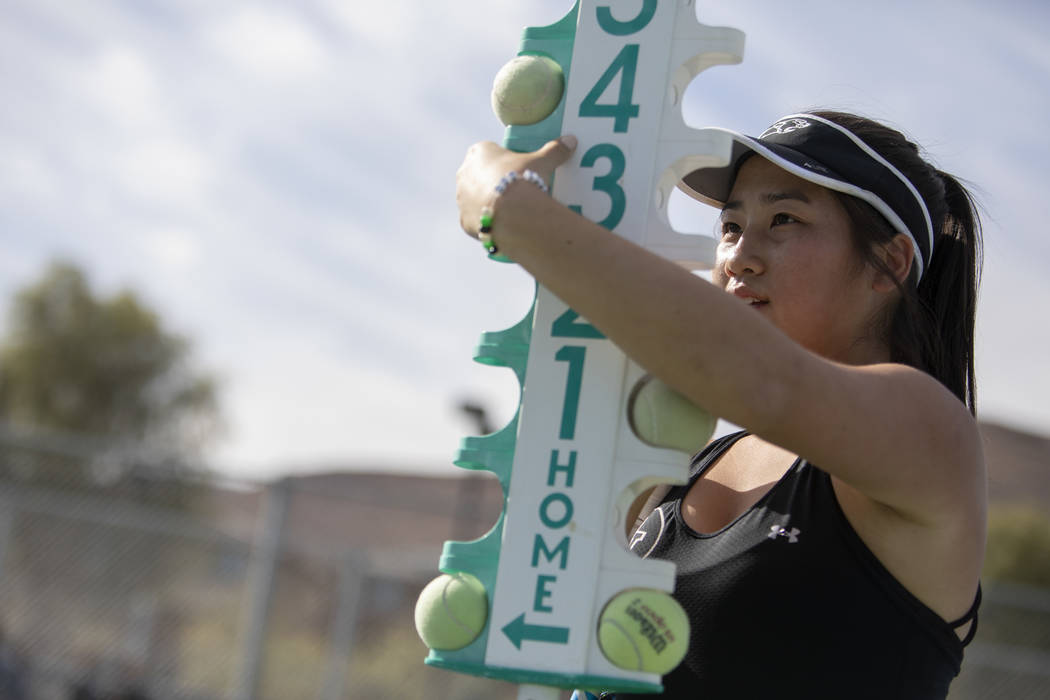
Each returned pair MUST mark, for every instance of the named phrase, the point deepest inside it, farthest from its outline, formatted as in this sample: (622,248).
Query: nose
(742,255)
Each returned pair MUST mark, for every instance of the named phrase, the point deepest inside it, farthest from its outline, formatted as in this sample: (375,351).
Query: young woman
(833,548)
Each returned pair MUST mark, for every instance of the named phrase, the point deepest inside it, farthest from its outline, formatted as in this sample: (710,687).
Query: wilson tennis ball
(451,611)
(642,629)
(527,90)
(662,417)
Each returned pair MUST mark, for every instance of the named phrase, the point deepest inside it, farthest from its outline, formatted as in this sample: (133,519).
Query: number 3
(608,183)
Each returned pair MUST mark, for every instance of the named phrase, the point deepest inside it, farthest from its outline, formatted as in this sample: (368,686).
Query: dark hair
(932,327)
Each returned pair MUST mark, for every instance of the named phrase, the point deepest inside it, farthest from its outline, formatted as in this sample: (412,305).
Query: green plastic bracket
(495,452)
(556,42)
(556,680)
(507,348)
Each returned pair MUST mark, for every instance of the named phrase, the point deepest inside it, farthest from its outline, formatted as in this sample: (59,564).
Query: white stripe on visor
(788,138)
(889,166)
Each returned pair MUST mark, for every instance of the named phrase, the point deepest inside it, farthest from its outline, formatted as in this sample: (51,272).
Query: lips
(749,296)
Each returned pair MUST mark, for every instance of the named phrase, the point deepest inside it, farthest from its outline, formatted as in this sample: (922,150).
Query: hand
(487,162)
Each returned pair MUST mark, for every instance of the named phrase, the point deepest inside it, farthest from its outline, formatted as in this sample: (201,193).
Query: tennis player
(832,549)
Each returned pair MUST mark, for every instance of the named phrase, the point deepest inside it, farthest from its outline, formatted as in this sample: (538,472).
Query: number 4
(626,63)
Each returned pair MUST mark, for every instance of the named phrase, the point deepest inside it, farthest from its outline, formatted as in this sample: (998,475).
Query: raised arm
(889,431)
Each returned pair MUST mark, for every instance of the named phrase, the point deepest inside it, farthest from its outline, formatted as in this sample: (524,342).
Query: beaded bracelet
(485,229)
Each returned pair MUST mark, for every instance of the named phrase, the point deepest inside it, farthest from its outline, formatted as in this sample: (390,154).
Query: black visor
(829,155)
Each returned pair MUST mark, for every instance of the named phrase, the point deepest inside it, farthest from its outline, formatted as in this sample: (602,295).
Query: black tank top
(788,602)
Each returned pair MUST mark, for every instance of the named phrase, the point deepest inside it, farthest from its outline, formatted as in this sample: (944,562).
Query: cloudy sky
(277,180)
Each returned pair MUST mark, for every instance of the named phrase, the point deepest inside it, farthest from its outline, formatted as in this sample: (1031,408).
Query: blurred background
(239,316)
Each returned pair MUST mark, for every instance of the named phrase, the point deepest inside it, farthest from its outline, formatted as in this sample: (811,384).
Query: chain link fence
(296,589)
(140,589)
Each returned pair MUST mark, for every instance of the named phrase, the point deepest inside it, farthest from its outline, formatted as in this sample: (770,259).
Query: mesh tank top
(788,602)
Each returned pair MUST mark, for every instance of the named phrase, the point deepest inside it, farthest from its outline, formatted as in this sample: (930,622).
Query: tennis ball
(451,611)
(527,90)
(662,417)
(642,629)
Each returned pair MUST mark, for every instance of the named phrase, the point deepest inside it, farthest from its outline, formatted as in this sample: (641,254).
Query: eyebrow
(770,198)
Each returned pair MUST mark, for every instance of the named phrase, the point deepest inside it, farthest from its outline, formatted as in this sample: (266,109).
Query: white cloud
(165,170)
(1013,342)
(269,43)
(391,30)
(313,410)
(286,174)
(121,83)
(25,175)
(172,248)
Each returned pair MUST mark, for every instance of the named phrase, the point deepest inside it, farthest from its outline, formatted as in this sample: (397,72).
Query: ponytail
(948,291)
(932,328)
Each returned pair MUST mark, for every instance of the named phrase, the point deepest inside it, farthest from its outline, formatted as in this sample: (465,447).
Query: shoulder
(892,433)
(938,440)
(921,504)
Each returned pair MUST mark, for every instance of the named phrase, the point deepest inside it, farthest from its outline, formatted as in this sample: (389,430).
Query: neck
(867,351)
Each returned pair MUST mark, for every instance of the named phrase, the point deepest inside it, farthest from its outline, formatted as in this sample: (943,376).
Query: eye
(783,218)
(730,228)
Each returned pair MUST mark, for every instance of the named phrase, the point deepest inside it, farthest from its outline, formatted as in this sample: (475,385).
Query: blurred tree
(102,419)
(1018,545)
(105,380)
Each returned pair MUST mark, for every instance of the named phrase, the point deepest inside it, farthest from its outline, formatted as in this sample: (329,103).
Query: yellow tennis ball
(642,629)
(662,417)
(451,611)
(527,90)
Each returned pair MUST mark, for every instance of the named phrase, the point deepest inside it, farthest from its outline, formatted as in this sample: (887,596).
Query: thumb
(554,153)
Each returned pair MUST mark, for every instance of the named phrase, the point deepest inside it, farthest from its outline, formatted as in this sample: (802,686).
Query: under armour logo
(785,126)
(776,531)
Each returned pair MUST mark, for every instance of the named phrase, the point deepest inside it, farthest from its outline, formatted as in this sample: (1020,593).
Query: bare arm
(889,431)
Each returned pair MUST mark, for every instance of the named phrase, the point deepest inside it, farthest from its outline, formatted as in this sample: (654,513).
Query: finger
(554,153)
